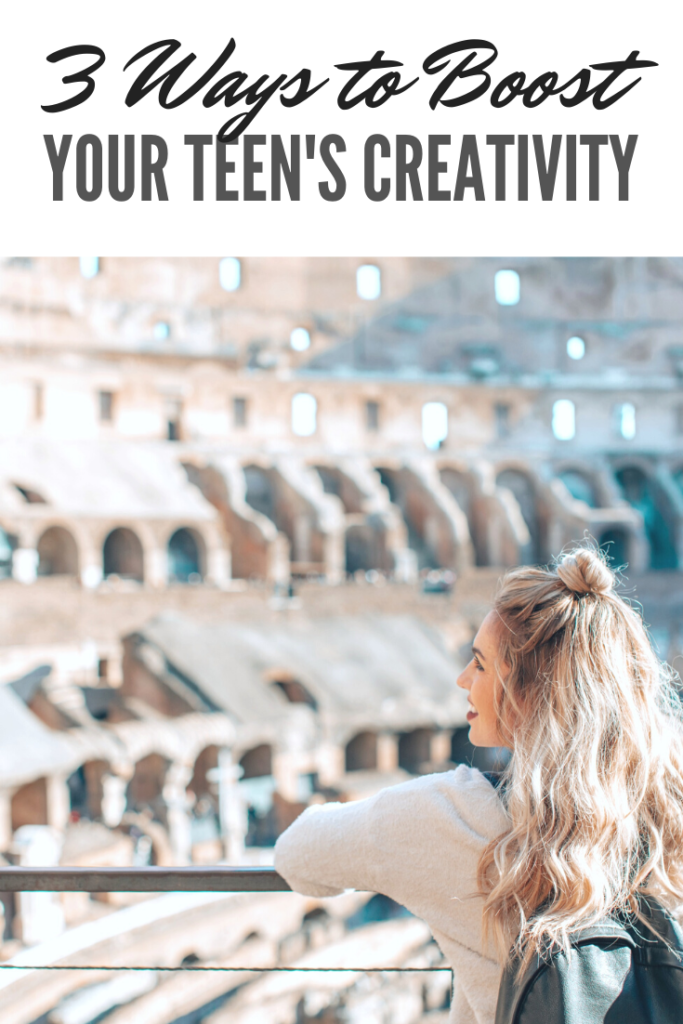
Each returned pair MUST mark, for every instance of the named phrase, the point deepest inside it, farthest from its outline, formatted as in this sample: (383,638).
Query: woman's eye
(478,665)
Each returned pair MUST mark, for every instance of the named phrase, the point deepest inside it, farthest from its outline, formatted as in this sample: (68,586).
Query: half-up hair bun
(584,572)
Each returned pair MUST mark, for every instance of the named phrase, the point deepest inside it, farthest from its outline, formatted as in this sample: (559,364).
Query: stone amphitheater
(251,512)
(167,420)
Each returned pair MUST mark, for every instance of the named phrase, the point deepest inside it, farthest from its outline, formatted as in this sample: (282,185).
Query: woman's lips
(471,715)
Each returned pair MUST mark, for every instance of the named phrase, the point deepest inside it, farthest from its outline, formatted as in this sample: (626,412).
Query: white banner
(380,126)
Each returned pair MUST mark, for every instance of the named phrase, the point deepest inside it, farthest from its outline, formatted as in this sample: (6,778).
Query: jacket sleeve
(411,842)
(326,850)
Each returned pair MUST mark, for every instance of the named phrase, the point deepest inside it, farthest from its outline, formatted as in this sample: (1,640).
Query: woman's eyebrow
(475,650)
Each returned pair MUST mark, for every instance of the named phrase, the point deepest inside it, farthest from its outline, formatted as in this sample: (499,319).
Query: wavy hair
(594,789)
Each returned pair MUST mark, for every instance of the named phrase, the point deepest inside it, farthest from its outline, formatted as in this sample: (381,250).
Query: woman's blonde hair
(594,789)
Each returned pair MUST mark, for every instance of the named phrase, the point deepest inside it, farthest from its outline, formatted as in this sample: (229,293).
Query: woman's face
(479,679)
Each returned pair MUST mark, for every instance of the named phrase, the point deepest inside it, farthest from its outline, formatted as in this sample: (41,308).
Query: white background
(274,36)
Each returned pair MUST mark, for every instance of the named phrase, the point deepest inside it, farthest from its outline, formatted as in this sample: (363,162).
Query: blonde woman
(589,813)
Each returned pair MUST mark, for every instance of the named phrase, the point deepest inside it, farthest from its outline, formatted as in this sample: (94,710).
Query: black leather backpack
(618,973)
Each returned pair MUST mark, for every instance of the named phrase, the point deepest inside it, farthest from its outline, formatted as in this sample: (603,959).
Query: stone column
(218,566)
(286,775)
(156,565)
(40,913)
(231,807)
(405,565)
(178,806)
(387,752)
(330,763)
(58,802)
(113,799)
(25,565)
(302,537)
(278,570)
(91,557)
(335,555)
(440,746)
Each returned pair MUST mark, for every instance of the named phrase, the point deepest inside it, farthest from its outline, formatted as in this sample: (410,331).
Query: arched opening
(426,534)
(89,804)
(338,483)
(522,489)
(360,549)
(580,486)
(257,787)
(78,794)
(29,804)
(207,761)
(460,487)
(614,543)
(294,690)
(269,494)
(145,788)
(260,493)
(257,762)
(205,821)
(185,557)
(57,553)
(361,753)
(643,494)
(123,555)
(414,750)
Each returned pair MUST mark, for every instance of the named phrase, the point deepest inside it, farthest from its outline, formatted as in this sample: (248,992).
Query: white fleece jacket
(418,843)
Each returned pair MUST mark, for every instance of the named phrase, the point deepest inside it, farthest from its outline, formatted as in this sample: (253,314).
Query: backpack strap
(607,933)
(663,949)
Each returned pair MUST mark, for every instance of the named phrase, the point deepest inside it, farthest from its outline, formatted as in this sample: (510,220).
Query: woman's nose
(463,680)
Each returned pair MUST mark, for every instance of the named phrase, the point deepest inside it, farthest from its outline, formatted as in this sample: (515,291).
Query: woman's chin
(473,734)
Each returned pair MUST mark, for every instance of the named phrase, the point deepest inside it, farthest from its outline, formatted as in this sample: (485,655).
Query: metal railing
(147,879)
(165,879)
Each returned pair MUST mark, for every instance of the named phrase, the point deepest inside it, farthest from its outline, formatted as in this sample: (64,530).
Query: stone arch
(521,486)
(643,493)
(294,691)
(205,762)
(123,555)
(428,528)
(580,485)
(205,815)
(293,513)
(335,481)
(361,752)
(57,553)
(361,548)
(145,787)
(260,491)
(461,485)
(257,762)
(186,556)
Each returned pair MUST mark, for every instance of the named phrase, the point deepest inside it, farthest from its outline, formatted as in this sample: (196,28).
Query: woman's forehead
(487,637)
